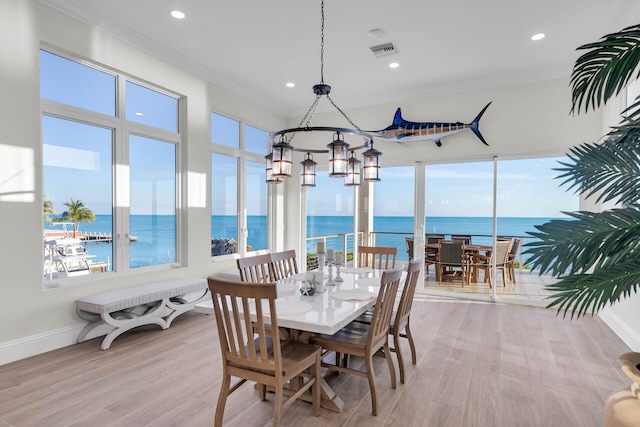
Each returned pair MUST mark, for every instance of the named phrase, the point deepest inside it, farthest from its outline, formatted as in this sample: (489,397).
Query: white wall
(523,120)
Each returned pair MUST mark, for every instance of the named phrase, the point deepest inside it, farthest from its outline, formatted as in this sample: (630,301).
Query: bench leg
(123,323)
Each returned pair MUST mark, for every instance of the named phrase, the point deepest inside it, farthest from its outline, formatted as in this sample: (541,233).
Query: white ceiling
(253,47)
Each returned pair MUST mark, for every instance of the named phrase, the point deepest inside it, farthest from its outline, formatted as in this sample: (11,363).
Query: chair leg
(373,389)
(222,400)
(398,351)
(262,391)
(277,410)
(409,337)
(392,368)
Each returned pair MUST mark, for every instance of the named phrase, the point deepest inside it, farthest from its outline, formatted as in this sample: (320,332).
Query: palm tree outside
(76,212)
(48,211)
(596,256)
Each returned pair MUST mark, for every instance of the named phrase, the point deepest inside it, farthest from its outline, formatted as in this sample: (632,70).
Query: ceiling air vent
(384,50)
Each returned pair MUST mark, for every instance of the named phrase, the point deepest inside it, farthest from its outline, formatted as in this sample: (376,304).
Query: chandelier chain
(342,112)
(322,42)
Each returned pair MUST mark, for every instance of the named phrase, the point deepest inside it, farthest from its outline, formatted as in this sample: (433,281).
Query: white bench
(156,303)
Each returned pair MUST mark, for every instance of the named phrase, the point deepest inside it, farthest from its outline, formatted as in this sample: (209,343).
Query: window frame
(122,129)
(242,156)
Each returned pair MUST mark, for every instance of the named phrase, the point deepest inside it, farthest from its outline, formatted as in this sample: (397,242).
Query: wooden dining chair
(379,257)
(364,340)
(500,257)
(256,268)
(249,353)
(399,326)
(284,264)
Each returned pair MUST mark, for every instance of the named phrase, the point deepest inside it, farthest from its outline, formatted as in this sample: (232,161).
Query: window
(330,215)
(110,156)
(224,204)
(237,185)
(393,209)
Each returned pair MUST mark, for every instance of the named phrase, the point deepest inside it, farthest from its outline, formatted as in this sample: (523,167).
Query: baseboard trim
(33,345)
(621,329)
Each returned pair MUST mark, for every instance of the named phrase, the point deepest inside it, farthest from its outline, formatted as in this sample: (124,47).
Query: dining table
(341,299)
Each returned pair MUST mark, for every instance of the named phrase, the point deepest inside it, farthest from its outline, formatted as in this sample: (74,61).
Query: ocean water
(156,233)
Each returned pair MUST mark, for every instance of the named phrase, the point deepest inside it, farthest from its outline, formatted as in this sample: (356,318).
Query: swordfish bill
(402,130)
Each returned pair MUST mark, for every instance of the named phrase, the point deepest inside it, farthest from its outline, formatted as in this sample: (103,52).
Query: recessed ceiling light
(375,33)
(538,36)
(139,113)
(394,65)
(291,84)
(178,14)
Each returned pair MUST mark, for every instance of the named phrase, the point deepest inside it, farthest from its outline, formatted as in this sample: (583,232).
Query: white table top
(325,312)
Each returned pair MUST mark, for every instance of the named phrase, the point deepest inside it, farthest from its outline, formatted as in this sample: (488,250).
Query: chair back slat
(284,264)
(381,319)
(408,291)
(379,257)
(245,342)
(256,269)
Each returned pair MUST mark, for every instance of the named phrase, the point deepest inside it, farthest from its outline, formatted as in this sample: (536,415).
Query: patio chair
(484,262)
(408,241)
(452,264)
(464,238)
(259,360)
(511,259)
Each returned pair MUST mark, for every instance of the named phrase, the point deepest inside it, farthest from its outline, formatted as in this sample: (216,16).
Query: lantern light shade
(308,171)
(338,157)
(282,153)
(353,171)
(371,168)
(270,179)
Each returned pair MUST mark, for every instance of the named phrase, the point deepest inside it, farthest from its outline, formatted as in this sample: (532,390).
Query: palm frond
(605,69)
(610,170)
(590,241)
(583,293)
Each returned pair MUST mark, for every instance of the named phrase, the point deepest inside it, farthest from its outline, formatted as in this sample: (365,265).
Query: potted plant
(596,256)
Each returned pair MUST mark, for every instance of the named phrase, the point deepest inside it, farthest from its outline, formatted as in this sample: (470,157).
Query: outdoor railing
(344,243)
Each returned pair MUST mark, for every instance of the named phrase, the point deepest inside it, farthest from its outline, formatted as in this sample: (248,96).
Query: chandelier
(342,157)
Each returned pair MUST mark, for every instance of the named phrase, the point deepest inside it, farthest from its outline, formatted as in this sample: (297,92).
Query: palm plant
(77,213)
(596,256)
(48,210)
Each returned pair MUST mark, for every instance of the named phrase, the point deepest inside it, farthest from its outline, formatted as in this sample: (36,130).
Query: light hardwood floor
(479,364)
